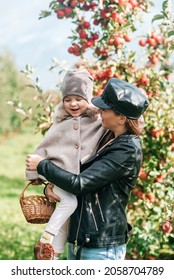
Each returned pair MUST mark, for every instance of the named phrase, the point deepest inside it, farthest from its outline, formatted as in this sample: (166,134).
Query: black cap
(123,98)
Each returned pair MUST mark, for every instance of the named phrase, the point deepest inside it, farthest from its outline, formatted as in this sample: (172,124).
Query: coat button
(76,145)
(75,126)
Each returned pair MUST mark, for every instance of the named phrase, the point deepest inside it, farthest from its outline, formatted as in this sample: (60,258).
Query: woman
(98,227)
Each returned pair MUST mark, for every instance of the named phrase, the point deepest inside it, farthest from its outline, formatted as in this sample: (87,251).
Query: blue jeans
(109,253)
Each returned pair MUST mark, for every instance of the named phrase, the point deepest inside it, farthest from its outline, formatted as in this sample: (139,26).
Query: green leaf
(132,55)
(164,5)
(165,15)
(172,48)
(171,33)
(151,4)
(157,17)
(44,14)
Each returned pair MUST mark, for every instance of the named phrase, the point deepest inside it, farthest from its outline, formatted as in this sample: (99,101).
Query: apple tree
(104,37)
(105,41)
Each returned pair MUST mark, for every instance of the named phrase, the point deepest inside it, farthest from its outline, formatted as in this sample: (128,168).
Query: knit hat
(78,82)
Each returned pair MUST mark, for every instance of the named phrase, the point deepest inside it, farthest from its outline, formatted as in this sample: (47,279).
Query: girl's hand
(52,197)
(32,162)
(36,182)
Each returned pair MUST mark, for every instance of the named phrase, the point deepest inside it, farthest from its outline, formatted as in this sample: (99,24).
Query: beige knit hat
(78,82)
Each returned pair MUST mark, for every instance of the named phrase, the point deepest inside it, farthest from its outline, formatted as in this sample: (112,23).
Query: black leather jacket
(103,189)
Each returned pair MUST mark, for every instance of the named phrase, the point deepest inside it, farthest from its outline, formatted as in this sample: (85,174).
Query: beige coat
(70,140)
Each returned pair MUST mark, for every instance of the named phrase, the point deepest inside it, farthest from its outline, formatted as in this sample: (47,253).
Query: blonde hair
(135,126)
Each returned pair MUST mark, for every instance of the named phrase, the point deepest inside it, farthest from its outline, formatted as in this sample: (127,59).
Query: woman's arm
(115,164)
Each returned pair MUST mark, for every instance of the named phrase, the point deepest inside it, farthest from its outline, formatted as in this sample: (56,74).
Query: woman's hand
(32,162)
(52,197)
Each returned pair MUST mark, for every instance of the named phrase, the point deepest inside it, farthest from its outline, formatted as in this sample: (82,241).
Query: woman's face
(112,121)
(109,119)
(75,105)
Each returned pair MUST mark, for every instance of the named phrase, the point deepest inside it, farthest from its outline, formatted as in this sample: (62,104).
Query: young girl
(70,141)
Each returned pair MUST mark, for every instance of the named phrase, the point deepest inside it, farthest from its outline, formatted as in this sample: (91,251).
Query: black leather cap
(123,98)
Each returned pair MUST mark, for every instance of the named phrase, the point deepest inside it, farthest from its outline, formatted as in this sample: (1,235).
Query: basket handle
(27,185)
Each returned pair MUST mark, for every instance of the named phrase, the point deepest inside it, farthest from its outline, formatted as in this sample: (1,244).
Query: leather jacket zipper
(97,202)
(92,214)
(77,233)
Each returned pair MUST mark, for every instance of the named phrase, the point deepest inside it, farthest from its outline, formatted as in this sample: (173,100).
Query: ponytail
(135,126)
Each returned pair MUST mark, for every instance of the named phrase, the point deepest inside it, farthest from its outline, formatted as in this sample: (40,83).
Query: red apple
(122,2)
(86,7)
(151,42)
(157,37)
(134,3)
(167,227)
(86,24)
(96,21)
(157,132)
(160,178)
(95,36)
(60,14)
(71,50)
(142,42)
(151,197)
(154,59)
(74,3)
(82,34)
(111,41)
(145,81)
(90,43)
(93,5)
(118,40)
(128,38)
(68,11)
(114,16)
(172,138)
(76,48)
(151,258)
(141,194)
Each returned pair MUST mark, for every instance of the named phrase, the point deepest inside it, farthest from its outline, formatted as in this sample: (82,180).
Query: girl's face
(75,105)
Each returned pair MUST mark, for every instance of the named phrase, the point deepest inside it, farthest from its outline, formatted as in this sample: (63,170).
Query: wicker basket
(36,209)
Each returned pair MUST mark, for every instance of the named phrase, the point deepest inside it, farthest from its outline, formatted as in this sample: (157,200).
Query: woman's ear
(122,119)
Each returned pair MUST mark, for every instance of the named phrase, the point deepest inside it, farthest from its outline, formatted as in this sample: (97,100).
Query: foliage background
(151,204)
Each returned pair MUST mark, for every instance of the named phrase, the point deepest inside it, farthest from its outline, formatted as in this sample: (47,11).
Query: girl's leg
(57,225)
(67,205)
(59,240)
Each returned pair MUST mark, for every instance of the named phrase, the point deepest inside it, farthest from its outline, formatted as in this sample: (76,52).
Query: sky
(32,41)
(35,42)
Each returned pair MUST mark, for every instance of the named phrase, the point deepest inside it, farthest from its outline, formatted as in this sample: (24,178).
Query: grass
(13,151)
(17,237)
